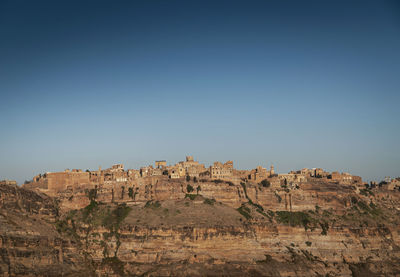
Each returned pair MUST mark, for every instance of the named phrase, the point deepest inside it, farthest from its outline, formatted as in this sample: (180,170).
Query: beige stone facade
(161,164)
(117,176)
(8,182)
(221,171)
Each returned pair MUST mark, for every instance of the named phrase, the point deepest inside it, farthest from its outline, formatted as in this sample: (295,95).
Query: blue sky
(310,84)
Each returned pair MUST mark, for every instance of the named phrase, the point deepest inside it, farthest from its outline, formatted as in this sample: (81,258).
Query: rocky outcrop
(29,242)
(180,228)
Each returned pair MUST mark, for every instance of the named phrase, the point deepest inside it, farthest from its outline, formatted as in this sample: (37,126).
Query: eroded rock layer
(203,228)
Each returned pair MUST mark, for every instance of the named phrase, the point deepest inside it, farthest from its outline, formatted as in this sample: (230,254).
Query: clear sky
(294,83)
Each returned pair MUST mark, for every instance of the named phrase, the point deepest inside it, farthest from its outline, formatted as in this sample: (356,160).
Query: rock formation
(195,228)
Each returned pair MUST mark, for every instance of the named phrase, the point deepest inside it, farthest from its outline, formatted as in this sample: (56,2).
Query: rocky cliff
(204,228)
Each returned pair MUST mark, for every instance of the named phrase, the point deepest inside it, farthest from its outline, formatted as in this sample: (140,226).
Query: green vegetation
(198,189)
(371,209)
(187,178)
(122,192)
(278,197)
(90,217)
(189,188)
(325,226)
(245,211)
(92,193)
(268,259)
(265,183)
(191,196)
(366,192)
(209,201)
(294,218)
(116,265)
(113,219)
(230,184)
(308,243)
(130,193)
(152,205)
(63,226)
(258,207)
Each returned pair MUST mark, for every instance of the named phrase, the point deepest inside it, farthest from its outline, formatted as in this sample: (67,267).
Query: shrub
(245,211)
(113,219)
(325,226)
(189,188)
(209,201)
(363,206)
(130,193)
(190,196)
(278,196)
(122,192)
(265,183)
(152,205)
(92,194)
(366,192)
(187,178)
(294,218)
(270,213)
(308,243)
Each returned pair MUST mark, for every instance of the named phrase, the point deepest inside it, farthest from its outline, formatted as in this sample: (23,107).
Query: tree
(189,188)
(187,178)
(265,183)
(130,192)
(122,192)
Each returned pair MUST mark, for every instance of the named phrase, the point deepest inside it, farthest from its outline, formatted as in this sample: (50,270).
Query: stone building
(133,174)
(344,178)
(146,171)
(221,171)
(161,164)
(394,184)
(156,172)
(8,182)
(59,181)
(96,176)
(292,177)
(115,174)
(176,172)
(260,173)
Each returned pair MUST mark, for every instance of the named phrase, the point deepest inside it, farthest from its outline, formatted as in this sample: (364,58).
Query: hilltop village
(117,176)
(188,219)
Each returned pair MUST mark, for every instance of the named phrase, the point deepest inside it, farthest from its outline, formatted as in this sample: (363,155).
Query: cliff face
(170,228)
(311,194)
(29,242)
